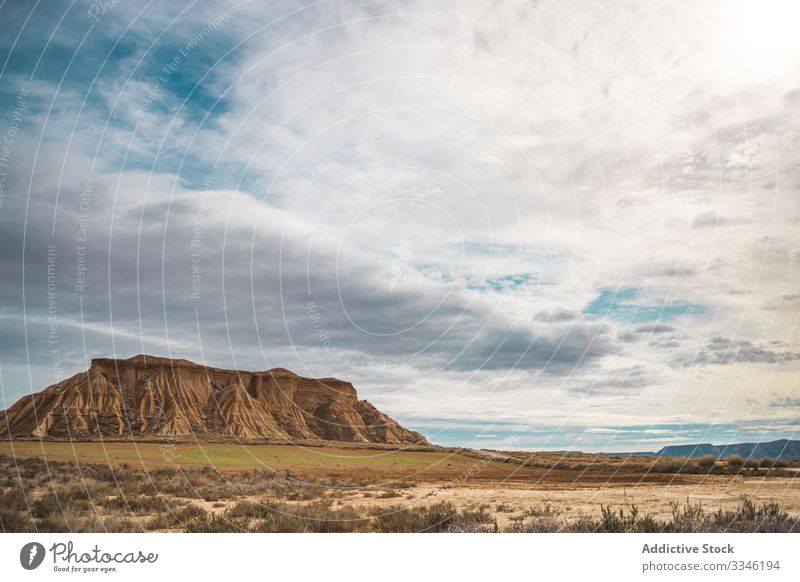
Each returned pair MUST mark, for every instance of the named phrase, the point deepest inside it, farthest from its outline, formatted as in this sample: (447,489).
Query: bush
(706,462)
(137,505)
(440,517)
(770,463)
(391,493)
(474,521)
(14,514)
(620,522)
(748,517)
(184,519)
(735,463)
(251,509)
(397,519)
(317,517)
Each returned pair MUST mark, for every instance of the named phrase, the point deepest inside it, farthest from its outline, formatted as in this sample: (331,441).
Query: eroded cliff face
(147,395)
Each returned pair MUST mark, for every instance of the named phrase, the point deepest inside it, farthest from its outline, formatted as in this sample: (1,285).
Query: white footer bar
(356,557)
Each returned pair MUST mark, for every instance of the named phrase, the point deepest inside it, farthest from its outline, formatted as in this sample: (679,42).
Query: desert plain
(193,486)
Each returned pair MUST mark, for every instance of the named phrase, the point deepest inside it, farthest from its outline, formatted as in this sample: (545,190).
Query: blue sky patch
(629,304)
(505,283)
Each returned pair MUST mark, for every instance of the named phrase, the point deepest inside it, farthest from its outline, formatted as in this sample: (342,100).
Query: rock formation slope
(147,395)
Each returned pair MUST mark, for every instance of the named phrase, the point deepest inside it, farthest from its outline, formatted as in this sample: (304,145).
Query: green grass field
(317,461)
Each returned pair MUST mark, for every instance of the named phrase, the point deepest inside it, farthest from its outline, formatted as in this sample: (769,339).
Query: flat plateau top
(143,360)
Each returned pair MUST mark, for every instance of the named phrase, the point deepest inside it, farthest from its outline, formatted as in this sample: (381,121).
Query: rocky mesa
(146,395)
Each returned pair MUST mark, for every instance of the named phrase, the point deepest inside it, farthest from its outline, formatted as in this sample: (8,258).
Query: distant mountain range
(782,449)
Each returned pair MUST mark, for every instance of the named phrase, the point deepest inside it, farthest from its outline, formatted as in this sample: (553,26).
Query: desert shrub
(139,505)
(252,509)
(540,519)
(686,518)
(185,518)
(397,519)
(319,517)
(536,525)
(117,524)
(178,485)
(749,517)
(735,463)
(162,473)
(621,522)
(474,521)
(258,481)
(70,520)
(47,504)
(545,510)
(217,492)
(14,514)
(77,492)
(438,517)
(746,517)
(706,462)
(303,493)
(388,494)
(216,524)
(668,465)
(102,473)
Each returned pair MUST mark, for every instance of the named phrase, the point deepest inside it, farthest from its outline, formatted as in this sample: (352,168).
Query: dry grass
(62,497)
(687,518)
(626,464)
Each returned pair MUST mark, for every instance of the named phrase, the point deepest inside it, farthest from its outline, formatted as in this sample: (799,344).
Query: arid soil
(512,500)
(573,487)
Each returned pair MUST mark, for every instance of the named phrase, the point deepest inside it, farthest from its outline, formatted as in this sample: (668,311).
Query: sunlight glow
(767,30)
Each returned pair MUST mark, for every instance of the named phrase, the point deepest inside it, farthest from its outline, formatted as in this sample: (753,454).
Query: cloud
(556,316)
(712,219)
(721,350)
(619,380)
(676,271)
(655,328)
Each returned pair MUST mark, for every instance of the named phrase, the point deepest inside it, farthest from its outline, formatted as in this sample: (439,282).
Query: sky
(512,225)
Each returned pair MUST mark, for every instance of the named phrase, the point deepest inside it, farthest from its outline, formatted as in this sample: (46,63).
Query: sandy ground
(507,500)
(510,500)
